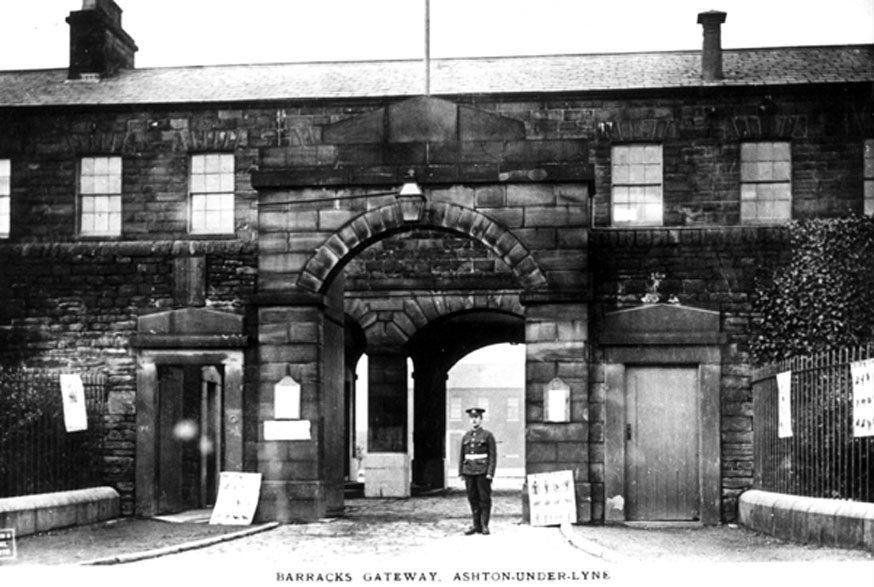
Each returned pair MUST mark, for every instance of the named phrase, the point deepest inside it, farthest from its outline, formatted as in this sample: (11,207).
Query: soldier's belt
(475,457)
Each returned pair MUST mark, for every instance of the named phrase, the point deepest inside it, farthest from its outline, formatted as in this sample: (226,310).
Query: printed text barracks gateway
(199,234)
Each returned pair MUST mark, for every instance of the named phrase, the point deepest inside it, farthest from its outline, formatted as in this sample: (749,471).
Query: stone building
(201,233)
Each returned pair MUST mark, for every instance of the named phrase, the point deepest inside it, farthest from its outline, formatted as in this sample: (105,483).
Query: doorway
(189,450)
(661,444)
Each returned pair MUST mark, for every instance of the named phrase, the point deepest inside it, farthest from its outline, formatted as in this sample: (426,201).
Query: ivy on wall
(823,298)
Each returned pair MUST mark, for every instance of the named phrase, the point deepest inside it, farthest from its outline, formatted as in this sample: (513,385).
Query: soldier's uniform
(476,463)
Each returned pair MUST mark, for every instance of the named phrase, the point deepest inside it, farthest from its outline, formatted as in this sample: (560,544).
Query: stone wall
(706,268)
(75,307)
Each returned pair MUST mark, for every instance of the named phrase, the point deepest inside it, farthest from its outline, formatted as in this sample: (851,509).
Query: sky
(35,35)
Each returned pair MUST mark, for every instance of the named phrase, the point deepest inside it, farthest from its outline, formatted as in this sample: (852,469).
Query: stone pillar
(556,338)
(387,463)
(429,433)
(302,477)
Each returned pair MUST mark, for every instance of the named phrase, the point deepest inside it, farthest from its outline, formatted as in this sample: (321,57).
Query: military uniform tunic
(478,453)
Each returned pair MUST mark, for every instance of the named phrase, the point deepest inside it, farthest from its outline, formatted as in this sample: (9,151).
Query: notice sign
(237,499)
(73,394)
(784,404)
(862,373)
(7,543)
(551,498)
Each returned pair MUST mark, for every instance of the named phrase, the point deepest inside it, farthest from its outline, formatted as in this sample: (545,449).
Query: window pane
(782,170)
(782,152)
(748,171)
(620,155)
(653,174)
(636,174)
(653,154)
(620,195)
(227,164)
(635,155)
(764,171)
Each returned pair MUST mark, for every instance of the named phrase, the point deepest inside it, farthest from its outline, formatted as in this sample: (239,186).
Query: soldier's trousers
(479,495)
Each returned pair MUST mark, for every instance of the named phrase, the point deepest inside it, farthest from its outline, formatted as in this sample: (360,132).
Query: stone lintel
(299,298)
(546,297)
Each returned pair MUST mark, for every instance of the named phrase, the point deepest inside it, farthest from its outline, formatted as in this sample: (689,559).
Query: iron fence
(37,454)
(822,458)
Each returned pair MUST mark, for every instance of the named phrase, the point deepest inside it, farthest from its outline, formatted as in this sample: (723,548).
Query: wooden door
(661,451)
(170,479)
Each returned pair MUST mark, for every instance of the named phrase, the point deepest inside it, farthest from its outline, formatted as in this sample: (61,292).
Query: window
(212,194)
(869,176)
(766,186)
(637,185)
(100,196)
(513,409)
(5,196)
(455,408)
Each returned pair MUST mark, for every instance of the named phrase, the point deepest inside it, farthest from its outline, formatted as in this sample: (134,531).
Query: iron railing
(37,454)
(822,458)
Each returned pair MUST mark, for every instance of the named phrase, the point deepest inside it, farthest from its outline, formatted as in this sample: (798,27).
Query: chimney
(711,54)
(98,44)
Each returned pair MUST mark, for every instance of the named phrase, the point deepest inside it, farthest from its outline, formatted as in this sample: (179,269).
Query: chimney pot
(711,53)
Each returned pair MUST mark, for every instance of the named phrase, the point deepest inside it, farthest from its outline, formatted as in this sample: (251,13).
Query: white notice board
(73,395)
(551,498)
(863,397)
(237,499)
(784,404)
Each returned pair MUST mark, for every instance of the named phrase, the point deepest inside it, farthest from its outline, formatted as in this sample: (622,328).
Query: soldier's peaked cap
(475,411)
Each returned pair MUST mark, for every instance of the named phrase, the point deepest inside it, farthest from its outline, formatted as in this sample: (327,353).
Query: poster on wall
(551,498)
(784,404)
(862,373)
(73,395)
(237,499)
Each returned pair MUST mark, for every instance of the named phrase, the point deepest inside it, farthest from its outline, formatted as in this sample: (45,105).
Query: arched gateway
(524,206)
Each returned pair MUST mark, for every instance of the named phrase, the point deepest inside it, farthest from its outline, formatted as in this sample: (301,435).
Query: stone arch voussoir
(371,225)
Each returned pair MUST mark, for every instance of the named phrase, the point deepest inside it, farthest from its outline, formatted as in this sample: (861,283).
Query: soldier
(476,464)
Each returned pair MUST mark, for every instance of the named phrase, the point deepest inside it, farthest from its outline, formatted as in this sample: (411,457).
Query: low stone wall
(827,522)
(31,514)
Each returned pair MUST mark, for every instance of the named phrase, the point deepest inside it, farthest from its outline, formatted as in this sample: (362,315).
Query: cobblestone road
(421,533)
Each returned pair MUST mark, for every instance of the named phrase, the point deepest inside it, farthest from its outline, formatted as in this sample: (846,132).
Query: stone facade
(325,263)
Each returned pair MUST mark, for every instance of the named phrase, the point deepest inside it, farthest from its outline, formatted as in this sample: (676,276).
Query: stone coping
(31,514)
(827,522)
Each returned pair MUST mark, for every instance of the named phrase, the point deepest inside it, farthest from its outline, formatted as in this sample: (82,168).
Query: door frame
(147,410)
(663,335)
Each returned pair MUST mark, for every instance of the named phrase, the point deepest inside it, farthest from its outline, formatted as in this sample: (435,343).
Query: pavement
(420,540)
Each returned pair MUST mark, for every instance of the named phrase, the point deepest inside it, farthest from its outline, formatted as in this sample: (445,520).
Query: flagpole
(427,47)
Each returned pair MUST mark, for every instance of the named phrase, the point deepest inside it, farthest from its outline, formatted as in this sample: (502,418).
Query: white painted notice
(237,499)
(862,373)
(73,395)
(551,498)
(784,404)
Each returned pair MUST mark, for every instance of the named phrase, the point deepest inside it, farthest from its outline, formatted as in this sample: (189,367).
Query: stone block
(530,195)
(386,475)
(490,197)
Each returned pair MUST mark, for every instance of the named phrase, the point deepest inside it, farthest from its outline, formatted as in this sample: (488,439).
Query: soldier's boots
(476,528)
(484,522)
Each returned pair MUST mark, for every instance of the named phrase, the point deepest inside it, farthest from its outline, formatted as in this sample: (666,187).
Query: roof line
(461,58)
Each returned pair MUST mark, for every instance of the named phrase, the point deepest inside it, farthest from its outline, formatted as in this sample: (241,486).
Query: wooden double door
(662,438)
(189,439)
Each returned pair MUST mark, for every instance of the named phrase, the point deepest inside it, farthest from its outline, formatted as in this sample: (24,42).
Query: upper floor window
(869,176)
(637,185)
(100,196)
(212,193)
(455,408)
(513,410)
(5,196)
(765,183)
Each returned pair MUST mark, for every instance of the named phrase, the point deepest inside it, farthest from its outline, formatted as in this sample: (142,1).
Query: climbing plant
(823,297)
